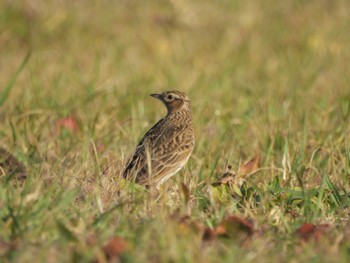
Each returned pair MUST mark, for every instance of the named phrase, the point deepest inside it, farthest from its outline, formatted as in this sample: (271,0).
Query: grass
(266,78)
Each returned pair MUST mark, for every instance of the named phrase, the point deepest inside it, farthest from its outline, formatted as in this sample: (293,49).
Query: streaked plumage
(167,146)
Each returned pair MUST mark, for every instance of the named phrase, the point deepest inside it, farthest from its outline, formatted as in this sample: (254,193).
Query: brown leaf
(10,165)
(309,232)
(114,248)
(69,123)
(230,177)
(231,227)
(220,230)
(227,178)
(209,234)
(249,167)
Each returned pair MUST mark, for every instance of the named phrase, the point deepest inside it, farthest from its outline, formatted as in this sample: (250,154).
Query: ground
(268,80)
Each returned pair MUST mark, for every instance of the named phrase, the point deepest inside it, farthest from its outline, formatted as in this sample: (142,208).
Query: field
(269,82)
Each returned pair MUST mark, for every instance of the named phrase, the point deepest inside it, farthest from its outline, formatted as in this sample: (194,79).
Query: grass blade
(5,93)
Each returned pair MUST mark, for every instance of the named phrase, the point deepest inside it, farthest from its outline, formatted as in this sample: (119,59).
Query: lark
(167,146)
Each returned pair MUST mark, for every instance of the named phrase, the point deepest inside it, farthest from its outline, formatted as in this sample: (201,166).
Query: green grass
(265,77)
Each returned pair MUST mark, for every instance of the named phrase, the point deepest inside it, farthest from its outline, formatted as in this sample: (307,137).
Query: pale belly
(176,169)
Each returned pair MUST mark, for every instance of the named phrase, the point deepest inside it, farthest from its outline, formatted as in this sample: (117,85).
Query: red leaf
(69,123)
(220,230)
(114,248)
(311,231)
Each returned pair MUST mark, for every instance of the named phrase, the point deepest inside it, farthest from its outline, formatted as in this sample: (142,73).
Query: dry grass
(265,78)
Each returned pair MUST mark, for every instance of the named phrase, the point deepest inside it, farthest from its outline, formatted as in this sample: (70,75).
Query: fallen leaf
(232,227)
(230,177)
(114,249)
(249,167)
(69,123)
(220,230)
(227,178)
(209,234)
(10,165)
(309,231)
(306,231)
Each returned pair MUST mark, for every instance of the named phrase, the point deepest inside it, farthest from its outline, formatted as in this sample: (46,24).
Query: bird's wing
(167,164)
(158,155)
(138,158)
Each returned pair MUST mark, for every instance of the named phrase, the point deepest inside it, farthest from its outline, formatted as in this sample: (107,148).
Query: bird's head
(174,100)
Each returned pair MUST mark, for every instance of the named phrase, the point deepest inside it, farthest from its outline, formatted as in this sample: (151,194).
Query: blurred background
(198,46)
(248,66)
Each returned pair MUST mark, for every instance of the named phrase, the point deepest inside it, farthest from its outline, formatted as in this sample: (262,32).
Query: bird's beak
(157,96)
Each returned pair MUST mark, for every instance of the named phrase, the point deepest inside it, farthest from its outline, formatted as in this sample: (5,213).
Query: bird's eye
(169,97)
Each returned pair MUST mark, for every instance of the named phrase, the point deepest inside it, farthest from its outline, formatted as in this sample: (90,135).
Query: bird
(167,146)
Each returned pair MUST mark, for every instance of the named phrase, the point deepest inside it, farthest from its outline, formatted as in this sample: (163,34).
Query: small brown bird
(167,146)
